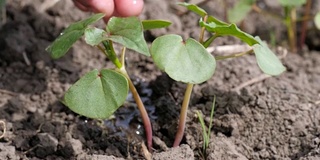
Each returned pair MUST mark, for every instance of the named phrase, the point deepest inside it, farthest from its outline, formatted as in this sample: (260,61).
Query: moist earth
(255,117)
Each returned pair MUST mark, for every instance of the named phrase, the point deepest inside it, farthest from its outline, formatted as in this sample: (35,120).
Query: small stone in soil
(47,145)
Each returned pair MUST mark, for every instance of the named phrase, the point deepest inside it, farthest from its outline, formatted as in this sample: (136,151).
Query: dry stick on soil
(250,82)
(4,128)
(26,59)
(8,92)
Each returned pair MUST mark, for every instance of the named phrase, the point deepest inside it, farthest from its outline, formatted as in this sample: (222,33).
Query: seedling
(98,94)
(290,19)
(206,132)
(189,61)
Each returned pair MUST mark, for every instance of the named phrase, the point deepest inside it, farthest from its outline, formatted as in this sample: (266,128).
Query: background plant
(242,8)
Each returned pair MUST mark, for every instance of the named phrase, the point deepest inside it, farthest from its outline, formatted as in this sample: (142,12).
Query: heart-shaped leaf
(70,35)
(154,24)
(267,60)
(128,32)
(187,61)
(97,94)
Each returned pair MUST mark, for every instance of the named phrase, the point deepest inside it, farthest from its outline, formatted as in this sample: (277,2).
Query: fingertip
(106,6)
(128,8)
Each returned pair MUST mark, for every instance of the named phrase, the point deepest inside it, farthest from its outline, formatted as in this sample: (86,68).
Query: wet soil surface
(271,118)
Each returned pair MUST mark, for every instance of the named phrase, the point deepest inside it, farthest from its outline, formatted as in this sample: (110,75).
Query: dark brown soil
(273,118)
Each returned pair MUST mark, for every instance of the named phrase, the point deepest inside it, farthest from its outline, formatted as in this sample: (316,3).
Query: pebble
(35,97)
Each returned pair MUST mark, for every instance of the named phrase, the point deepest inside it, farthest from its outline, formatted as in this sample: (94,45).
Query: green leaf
(194,8)
(212,19)
(240,10)
(317,20)
(97,94)
(267,60)
(292,2)
(94,36)
(187,61)
(128,32)
(229,30)
(70,35)
(154,24)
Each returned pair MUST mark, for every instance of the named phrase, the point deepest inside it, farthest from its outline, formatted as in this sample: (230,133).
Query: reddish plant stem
(305,24)
(109,52)
(142,110)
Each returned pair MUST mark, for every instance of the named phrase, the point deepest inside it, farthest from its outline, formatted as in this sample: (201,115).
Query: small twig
(229,49)
(26,59)
(4,128)
(8,92)
(31,149)
(250,82)
(234,55)
(147,155)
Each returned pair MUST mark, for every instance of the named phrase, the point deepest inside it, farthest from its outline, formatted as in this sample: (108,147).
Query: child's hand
(122,8)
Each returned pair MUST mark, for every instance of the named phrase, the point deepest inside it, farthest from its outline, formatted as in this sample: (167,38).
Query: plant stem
(305,24)
(142,109)
(136,97)
(183,115)
(290,22)
(110,53)
(218,58)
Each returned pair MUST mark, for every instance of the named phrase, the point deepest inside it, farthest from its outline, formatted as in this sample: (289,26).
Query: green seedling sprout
(243,7)
(98,94)
(206,132)
(189,62)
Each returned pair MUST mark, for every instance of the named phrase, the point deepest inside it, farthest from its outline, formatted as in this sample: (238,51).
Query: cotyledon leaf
(268,62)
(97,94)
(187,61)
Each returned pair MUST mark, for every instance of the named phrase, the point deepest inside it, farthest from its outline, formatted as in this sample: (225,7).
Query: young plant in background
(98,94)
(290,19)
(189,62)
(317,20)
(206,131)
